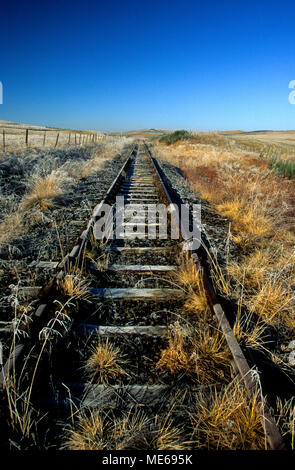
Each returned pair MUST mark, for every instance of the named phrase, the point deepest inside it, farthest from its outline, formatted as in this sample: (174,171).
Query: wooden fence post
(44,138)
(69,138)
(27,136)
(4,140)
(56,140)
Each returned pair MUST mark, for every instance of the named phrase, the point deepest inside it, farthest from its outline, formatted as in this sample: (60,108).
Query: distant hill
(24,126)
(141,133)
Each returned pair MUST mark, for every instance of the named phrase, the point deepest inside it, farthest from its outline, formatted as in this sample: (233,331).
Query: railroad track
(115,290)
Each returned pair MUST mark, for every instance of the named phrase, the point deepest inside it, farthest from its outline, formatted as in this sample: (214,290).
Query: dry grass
(272,302)
(286,419)
(12,226)
(95,256)
(177,357)
(190,278)
(197,353)
(246,219)
(260,207)
(265,266)
(19,382)
(197,304)
(90,167)
(44,191)
(96,430)
(75,287)
(58,172)
(168,437)
(227,420)
(238,183)
(135,430)
(276,142)
(188,275)
(15,137)
(88,434)
(20,418)
(80,170)
(251,271)
(105,362)
(210,138)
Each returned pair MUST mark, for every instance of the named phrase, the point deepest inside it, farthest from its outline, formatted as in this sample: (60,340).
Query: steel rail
(46,294)
(248,375)
(249,378)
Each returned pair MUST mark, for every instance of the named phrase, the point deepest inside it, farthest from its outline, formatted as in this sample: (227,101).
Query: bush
(205,138)
(282,167)
(175,136)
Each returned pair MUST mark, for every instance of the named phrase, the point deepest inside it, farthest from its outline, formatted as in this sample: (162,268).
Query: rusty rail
(46,294)
(275,440)
(249,377)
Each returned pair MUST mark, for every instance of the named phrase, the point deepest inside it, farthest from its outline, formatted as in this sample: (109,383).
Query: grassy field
(258,207)
(240,179)
(282,142)
(141,133)
(285,138)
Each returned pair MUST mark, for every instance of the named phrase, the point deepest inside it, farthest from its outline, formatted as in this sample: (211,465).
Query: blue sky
(121,65)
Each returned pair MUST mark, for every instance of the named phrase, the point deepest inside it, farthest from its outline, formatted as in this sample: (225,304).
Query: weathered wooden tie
(132,293)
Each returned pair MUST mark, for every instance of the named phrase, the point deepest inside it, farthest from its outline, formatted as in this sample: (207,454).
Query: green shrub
(205,138)
(282,167)
(175,136)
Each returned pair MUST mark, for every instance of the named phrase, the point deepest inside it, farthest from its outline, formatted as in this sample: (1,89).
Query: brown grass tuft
(43,192)
(12,226)
(199,355)
(75,287)
(88,434)
(286,419)
(272,301)
(190,277)
(96,430)
(227,420)
(105,362)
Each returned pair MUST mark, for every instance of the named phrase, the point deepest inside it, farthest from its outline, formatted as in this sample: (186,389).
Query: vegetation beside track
(218,415)
(254,196)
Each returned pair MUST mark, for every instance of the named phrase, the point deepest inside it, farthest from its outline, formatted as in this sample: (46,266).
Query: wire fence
(13,137)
